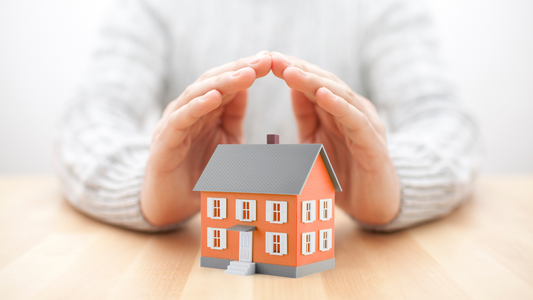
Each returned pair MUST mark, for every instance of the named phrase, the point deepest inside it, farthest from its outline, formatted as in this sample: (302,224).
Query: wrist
(377,196)
(165,200)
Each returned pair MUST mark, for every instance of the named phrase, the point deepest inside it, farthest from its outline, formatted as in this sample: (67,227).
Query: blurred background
(45,47)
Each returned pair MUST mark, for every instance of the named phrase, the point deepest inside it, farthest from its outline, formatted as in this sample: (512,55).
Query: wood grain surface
(483,250)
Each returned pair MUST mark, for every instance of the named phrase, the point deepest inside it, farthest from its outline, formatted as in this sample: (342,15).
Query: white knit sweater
(150,50)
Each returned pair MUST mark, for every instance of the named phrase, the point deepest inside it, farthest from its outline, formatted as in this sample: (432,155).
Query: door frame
(250,234)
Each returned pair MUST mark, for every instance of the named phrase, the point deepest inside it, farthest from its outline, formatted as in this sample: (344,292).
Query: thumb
(305,115)
(233,117)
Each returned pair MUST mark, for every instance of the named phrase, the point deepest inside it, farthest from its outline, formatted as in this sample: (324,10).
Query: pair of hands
(211,112)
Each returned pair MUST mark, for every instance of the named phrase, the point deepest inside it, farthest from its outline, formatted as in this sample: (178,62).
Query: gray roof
(263,169)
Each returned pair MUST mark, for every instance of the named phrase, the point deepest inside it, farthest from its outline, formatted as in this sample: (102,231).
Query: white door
(245,246)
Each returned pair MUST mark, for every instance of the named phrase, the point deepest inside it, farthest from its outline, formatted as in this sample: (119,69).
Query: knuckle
(380,127)
(350,93)
(204,76)
(365,121)
(187,91)
(218,79)
(235,65)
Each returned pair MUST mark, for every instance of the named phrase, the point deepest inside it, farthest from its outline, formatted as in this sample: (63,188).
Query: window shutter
(321,210)
(210,237)
(269,210)
(313,211)
(268,242)
(330,238)
(304,217)
(283,207)
(210,207)
(330,208)
(312,242)
(223,208)
(223,238)
(321,239)
(238,209)
(283,237)
(303,244)
(252,210)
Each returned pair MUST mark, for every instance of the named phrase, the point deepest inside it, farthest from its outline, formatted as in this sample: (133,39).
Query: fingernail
(262,53)
(255,60)
(302,72)
(285,59)
(236,73)
(210,92)
(207,95)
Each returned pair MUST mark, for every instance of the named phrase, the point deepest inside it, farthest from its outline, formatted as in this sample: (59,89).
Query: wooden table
(484,250)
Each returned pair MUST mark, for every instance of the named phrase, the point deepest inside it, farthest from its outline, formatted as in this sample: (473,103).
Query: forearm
(436,158)
(101,167)
(101,151)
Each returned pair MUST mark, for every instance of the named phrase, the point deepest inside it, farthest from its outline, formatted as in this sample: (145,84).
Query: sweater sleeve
(433,139)
(101,150)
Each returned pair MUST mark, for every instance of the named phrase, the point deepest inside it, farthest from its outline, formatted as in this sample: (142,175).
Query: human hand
(209,112)
(327,111)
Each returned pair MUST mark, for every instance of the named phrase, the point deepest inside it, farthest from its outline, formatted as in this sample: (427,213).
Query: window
(276,243)
(308,211)
(326,209)
(276,212)
(216,208)
(245,210)
(326,237)
(216,238)
(308,243)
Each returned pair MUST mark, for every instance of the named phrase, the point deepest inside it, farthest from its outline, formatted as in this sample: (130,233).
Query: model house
(268,209)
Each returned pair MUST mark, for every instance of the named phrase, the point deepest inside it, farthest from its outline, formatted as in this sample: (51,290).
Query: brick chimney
(272,139)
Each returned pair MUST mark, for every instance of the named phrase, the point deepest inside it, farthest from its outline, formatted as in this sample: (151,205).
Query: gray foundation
(275,270)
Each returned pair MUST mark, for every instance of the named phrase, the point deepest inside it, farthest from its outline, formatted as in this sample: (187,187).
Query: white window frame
(308,239)
(325,239)
(271,210)
(211,209)
(240,211)
(325,213)
(270,243)
(308,211)
(211,238)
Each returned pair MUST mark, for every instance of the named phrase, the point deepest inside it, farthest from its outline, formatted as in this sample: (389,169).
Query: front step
(240,268)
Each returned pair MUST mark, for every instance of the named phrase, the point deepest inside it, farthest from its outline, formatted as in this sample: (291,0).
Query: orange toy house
(268,209)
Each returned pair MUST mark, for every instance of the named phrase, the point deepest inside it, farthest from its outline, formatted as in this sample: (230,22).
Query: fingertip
(208,102)
(324,93)
(247,71)
(326,99)
(242,78)
(262,68)
(213,93)
(293,77)
(248,75)
(279,64)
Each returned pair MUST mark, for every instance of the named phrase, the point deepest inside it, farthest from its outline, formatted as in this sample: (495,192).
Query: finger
(177,126)
(261,63)
(233,117)
(226,83)
(280,62)
(309,83)
(357,127)
(305,115)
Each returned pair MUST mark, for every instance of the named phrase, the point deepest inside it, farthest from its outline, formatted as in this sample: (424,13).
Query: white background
(45,45)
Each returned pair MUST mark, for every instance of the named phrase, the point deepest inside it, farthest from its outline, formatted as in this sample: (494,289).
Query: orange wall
(318,186)
(259,253)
